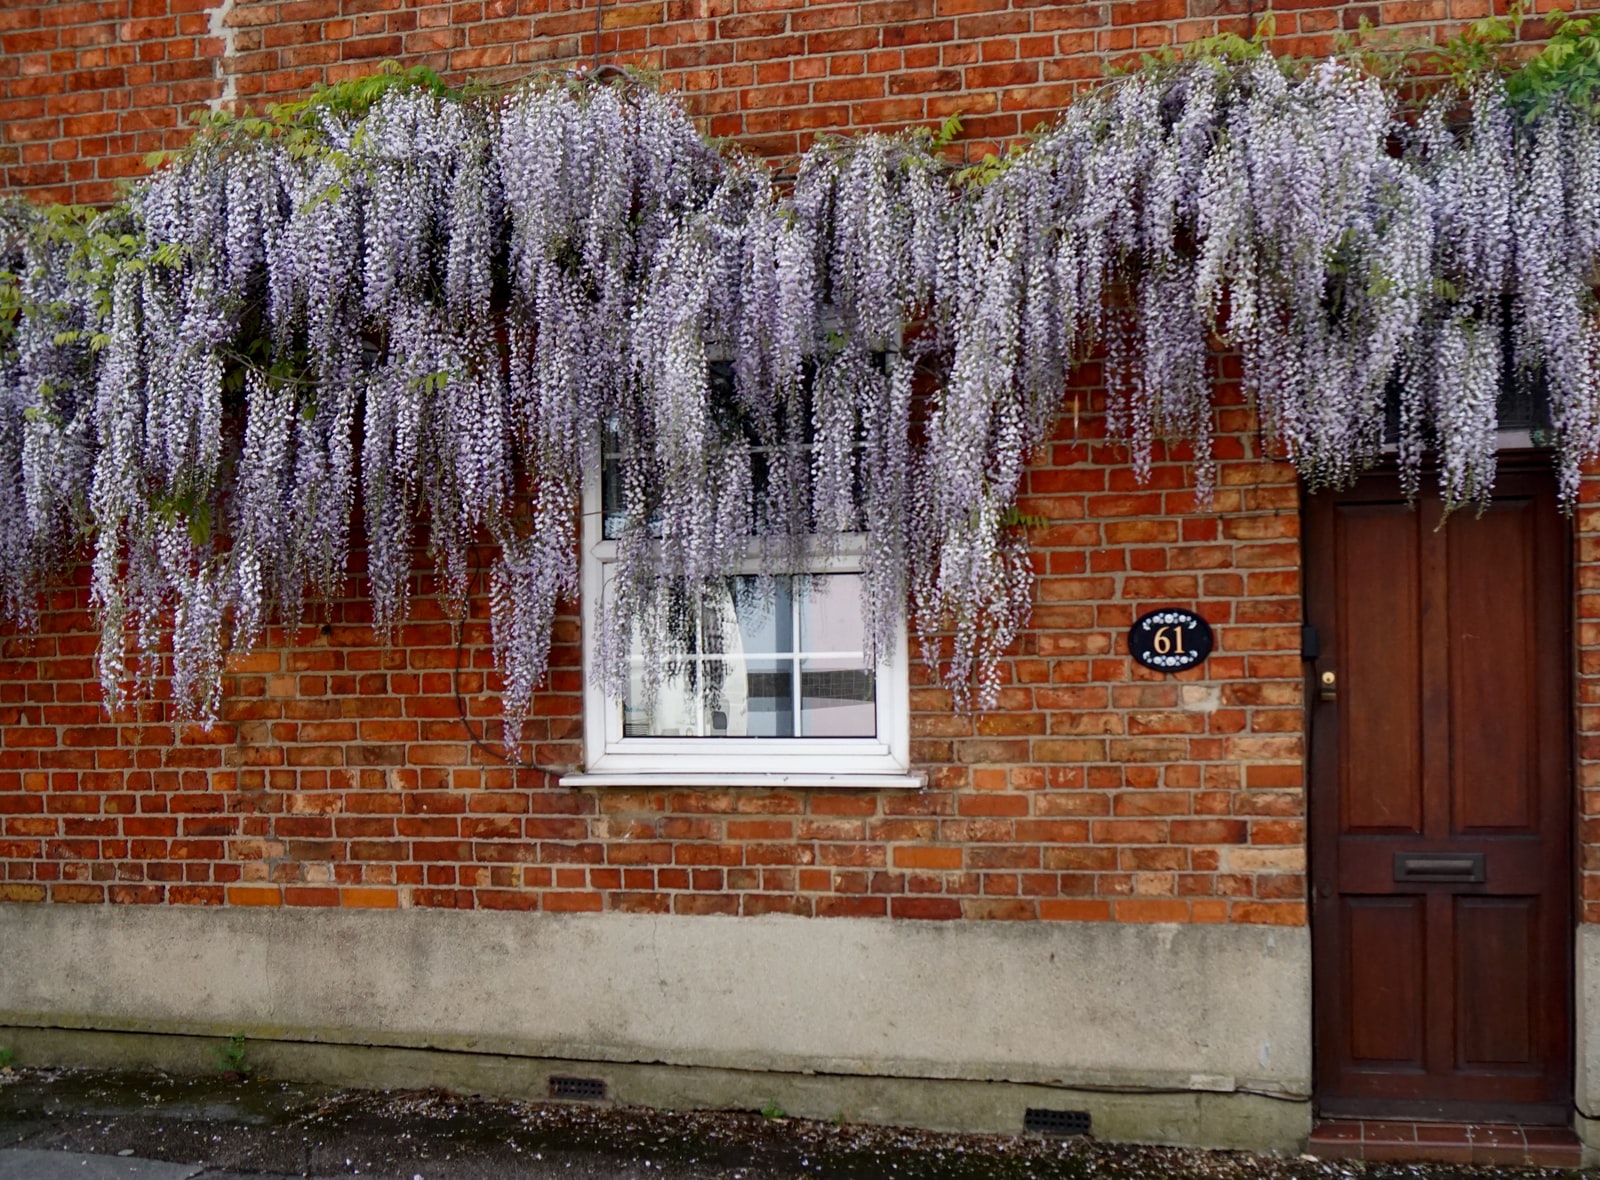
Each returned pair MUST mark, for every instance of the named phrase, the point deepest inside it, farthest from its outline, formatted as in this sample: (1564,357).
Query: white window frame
(611,759)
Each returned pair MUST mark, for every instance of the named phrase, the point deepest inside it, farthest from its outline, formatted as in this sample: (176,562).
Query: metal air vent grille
(581,1089)
(1056,1122)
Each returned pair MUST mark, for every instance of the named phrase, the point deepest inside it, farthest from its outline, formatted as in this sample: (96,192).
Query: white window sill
(831,780)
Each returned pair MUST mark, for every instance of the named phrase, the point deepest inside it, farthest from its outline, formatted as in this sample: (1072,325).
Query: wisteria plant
(426,313)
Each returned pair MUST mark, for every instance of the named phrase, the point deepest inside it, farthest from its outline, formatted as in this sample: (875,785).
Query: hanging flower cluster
(47,397)
(443,309)
(1363,264)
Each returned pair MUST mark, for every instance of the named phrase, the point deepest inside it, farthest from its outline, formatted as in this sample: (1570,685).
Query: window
(772,690)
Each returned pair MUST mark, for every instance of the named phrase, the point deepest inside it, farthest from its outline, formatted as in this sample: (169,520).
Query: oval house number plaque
(1170,639)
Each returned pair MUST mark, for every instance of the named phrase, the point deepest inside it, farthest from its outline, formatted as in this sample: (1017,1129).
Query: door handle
(1467,867)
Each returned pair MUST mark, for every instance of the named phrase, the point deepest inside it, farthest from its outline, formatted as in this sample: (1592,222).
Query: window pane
(837,690)
(837,701)
(673,713)
(613,496)
(750,622)
(612,516)
(830,614)
(755,698)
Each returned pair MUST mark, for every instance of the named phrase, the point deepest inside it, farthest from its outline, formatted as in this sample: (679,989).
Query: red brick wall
(1586,576)
(342,775)
(88,88)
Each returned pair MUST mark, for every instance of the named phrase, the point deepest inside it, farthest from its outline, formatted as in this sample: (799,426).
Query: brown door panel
(1379,670)
(1440,803)
(1385,981)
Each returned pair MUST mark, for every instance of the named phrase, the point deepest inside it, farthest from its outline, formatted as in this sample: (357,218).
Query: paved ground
(108,1126)
(25,1164)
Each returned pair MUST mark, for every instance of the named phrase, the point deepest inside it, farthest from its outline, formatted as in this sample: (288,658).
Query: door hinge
(1310,644)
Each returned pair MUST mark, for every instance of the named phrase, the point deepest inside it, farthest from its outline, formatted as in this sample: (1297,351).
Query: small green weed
(772,1110)
(7,1056)
(232,1058)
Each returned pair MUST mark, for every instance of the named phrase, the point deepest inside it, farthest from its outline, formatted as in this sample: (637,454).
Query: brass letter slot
(1437,866)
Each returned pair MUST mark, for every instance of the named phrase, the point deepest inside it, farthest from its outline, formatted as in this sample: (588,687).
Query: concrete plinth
(1176,1034)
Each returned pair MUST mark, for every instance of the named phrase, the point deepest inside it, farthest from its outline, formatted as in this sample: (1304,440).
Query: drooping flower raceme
(432,318)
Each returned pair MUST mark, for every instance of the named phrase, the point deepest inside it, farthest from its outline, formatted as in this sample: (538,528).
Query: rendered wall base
(1215,1120)
(1586,1031)
(1177,1034)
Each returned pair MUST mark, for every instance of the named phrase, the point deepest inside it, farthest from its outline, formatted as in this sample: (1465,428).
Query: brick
(927,858)
(254,895)
(1072,910)
(1151,910)
(564,902)
(310,896)
(926,908)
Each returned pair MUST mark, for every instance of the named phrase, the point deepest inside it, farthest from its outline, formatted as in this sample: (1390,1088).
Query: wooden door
(1441,805)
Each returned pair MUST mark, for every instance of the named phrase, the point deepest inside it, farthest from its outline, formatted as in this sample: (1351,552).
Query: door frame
(1321,766)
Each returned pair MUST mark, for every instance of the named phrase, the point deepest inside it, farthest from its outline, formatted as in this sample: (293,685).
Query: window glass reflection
(772,658)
